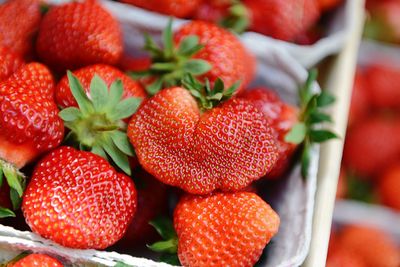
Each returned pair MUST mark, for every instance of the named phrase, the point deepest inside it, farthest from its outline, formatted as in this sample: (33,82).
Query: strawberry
(34,260)
(374,246)
(290,19)
(19,21)
(371,145)
(108,74)
(359,107)
(66,41)
(281,117)
(78,200)
(223,229)
(344,258)
(203,50)
(327,5)
(9,63)
(389,187)
(98,123)
(177,8)
(383,85)
(341,190)
(219,147)
(128,63)
(29,124)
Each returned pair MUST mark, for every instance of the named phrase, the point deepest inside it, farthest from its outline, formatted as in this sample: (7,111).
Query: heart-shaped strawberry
(226,147)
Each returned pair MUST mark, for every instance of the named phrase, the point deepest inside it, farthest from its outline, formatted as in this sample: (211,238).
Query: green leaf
(98,150)
(189,45)
(153,88)
(169,246)
(98,93)
(228,93)
(1,176)
(217,96)
(164,227)
(13,180)
(317,117)
(168,40)
(6,213)
(121,141)
(119,158)
(125,108)
(325,99)
(79,93)
(115,95)
(218,86)
(70,114)
(306,90)
(297,134)
(305,160)
(151,46)
(16,200)
(320,136)
(171,259)
(196,66)
(163,66)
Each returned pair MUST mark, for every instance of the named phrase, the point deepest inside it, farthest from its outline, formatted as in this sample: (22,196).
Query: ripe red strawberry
(224,229)
(128,63)
(281,117)
(341,190)
(344,258)
(176,8)
(35,260)
(290,18)
(226,147)
(371,145)
(203,50)
(66,41)
(78,200)
(19,21)
(359,106)
(327,5)
(374,246)
(9,63)
(108,74)
(389,187)
(383,86)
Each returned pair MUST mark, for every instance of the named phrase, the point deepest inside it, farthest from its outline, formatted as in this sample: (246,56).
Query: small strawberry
(35,260)
(389,187)
(9,63)
(383,86)
(281,117)
(327,5)
(76,199)
(290,18)
(202,49)
(371,145)
(19,21)
(344,258)
(374,246)
(67,41)
(359,107)
(219,147)
(95,113)
(29,124)
(177,8)
(224,229)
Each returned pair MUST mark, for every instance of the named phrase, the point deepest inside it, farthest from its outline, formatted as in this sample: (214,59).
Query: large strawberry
(78,200)
(35,260)
(284,20)
(200,150)
(224,229)
(19,21)
(9,63)
(177,8)
(389,187)
(96,113)
(29,122)
(77,34)
(202,49)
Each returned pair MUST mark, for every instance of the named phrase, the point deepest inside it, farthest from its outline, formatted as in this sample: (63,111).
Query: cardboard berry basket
(293,197)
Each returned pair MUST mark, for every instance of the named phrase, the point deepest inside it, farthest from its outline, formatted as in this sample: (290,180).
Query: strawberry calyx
(308,130)
(237,19)
(169,246)
(171,63)
(208,97)
(98,124)
(16,181)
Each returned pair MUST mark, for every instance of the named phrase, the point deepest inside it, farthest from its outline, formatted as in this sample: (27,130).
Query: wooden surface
(339,81)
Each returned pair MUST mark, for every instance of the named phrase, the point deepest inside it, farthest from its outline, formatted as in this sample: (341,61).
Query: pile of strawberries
(289,20)
(93,155)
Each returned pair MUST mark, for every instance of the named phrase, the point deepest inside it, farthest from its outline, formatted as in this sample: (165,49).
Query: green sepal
(98,93)
(237,19)
(319,136)
(168,246)
(70,114)
(79,94)
(4,213)
(121,264)
(164,227)
(16,181)
(359,189)
(297,134)
(16,200)
(171,259)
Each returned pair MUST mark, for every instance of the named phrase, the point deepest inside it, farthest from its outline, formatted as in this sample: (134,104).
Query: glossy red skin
(389,187)
(225,148)
(372,145)
(223,229)
(176,8)
(109,74)
(383,86)
(341,189)
(66,41)
(29,121)
(344,258)
(212,10)
(230,60)
(284,20)
(19,21)
(78,200)
(128,63)
(9,63)
(36,260)
(360,102)
(280,117)
(327,5)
